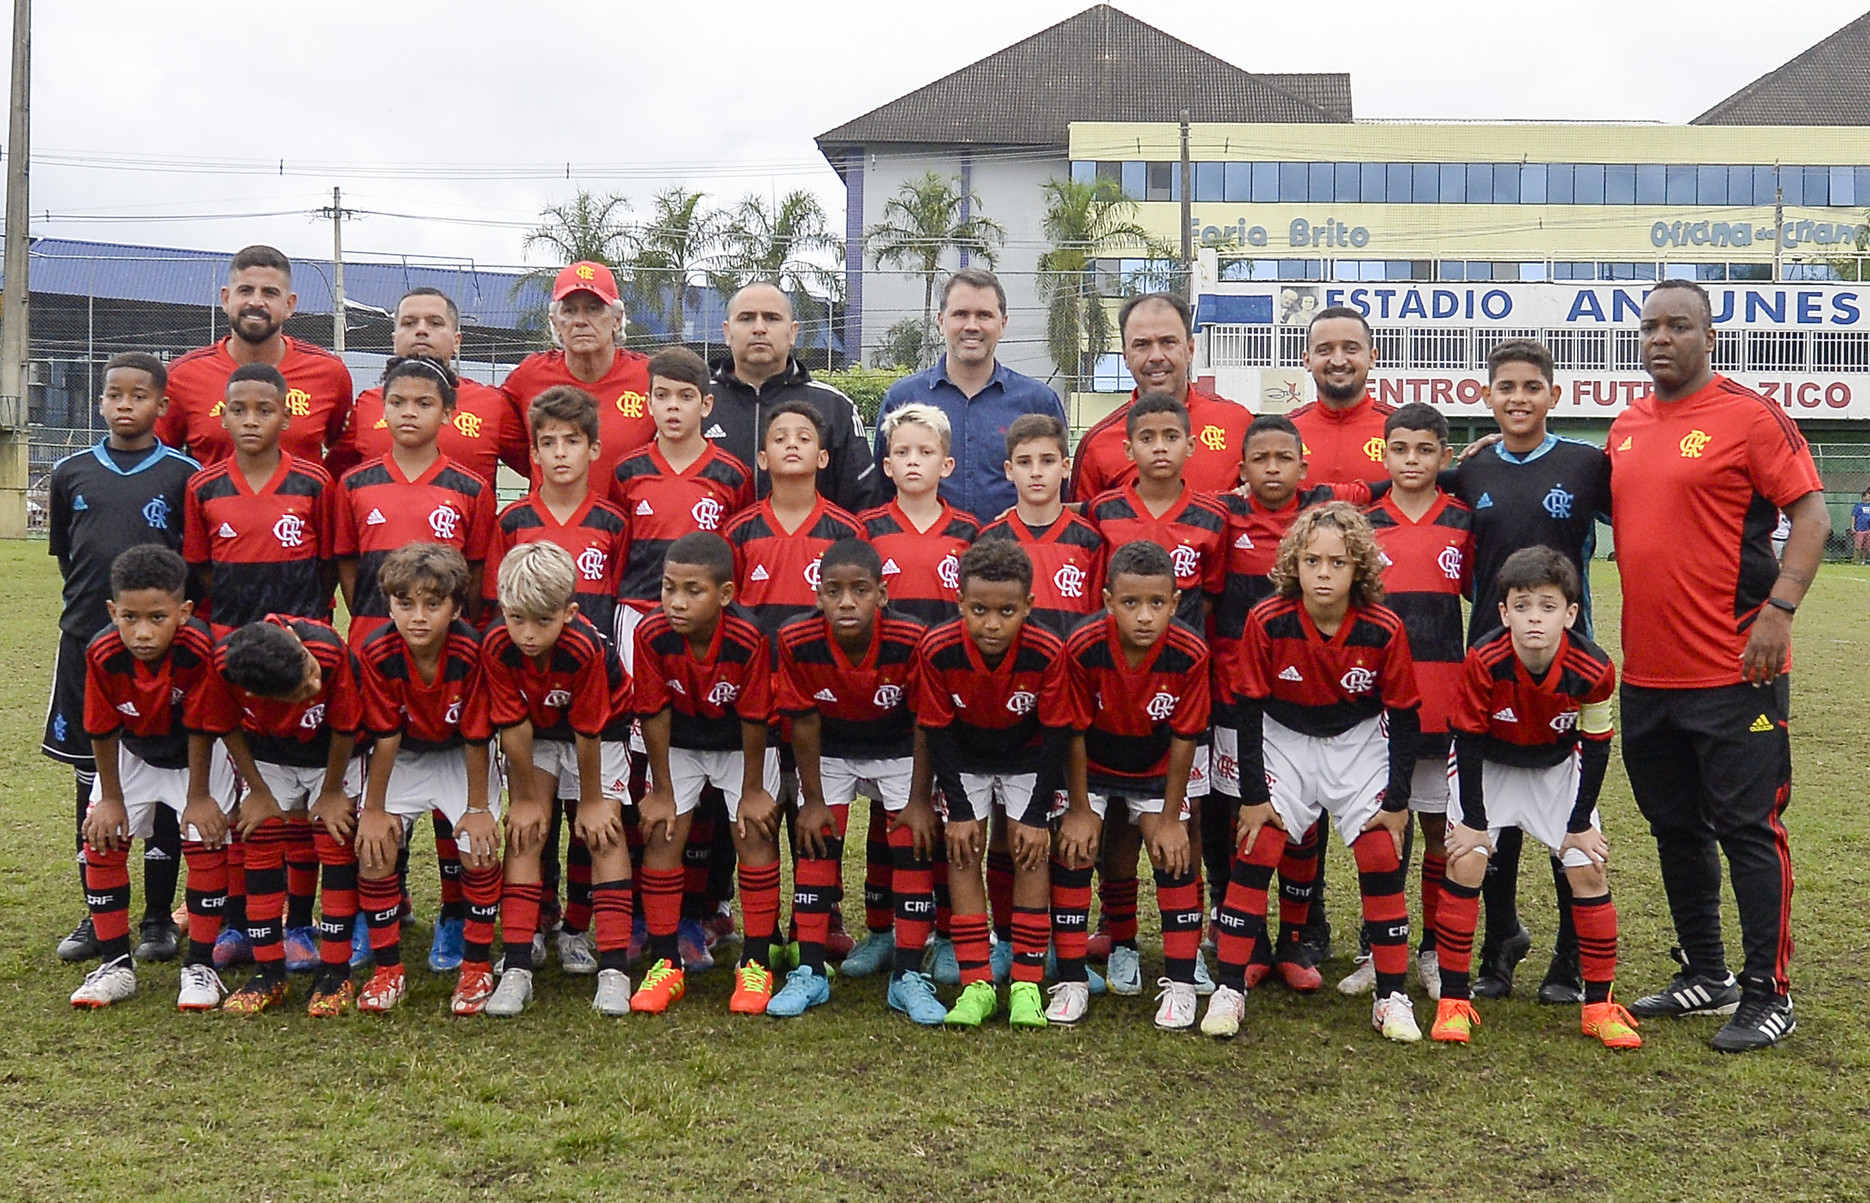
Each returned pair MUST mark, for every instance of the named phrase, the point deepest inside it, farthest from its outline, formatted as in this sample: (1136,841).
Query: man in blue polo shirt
(980,396)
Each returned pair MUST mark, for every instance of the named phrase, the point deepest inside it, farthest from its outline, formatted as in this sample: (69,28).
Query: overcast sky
(722,96)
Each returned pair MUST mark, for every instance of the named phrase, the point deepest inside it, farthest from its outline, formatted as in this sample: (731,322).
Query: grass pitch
(851,1102)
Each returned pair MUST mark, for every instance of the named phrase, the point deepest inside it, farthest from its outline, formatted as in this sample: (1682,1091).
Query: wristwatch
(1781,604)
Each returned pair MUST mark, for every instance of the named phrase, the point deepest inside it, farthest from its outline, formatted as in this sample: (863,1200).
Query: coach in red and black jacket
(1699,472)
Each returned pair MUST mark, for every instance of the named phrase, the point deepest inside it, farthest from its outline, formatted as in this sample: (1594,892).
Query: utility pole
(1188,216)
(337,213)
(14,438)
(1779,227)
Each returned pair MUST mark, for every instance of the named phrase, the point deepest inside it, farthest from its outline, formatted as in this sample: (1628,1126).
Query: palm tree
(673,249)
(778,244)
(927,218)
(1083,221)
(589,226)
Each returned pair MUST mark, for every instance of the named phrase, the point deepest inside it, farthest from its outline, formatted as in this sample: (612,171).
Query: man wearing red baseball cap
(587,324)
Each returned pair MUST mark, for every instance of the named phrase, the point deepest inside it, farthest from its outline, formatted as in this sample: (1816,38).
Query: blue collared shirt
(979,484)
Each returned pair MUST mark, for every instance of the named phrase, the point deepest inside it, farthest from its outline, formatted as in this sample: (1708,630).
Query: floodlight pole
(14,461)
(1188,216)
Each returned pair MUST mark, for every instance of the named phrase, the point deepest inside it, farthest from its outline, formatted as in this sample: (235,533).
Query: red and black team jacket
(581,688)
(298,733)
(379,511)
(1505,714)
(1427,565)
(269,551)
(1322,686)
(1253,536)
(661,505)
(708,696)
(776,573)
(1129,715)
(1067,568)
(862,704)
(151,708)
(595,536)
(431,716)
(921,569)
(1003,719)
(1193,530)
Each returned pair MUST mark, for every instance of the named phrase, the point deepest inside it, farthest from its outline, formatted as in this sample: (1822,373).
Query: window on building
(1109,374)
(1588,186)
(1480,183)
(1817,186)
(1651,183)
(1110,170)
(1840,351)
(1626,271)
(1453,183)
(1300,269)
(1451,270)
(1159,181)
(1682,187)
(1323,181)
(1775,350)
(1765,179)
(1811,271)
(1399,186)
(1860,186)
(1532,271)
(1728,345)
(1711,185)
(1532,181)
(1754,272)
(1578,350)
(1350,182)
(1506,184)
(1477,269)
(1373,182)
(1792,181)
(1237,182)
(1240,346)
(1136,179)
(1438,347)
(1208,185)
(1083,171)
(1265,183)
(1571,269)
(1740,186)
(1408,269)
(1292,346)
(1294,182)
(1486,338)
(1427,189)
(1558,184)
(1620,184)
(1391,344)
(1626,350)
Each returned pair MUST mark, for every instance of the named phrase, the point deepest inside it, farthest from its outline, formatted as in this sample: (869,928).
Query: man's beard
(246,335)
(1331,392)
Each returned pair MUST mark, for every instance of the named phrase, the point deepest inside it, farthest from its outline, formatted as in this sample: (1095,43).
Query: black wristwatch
(1781,604)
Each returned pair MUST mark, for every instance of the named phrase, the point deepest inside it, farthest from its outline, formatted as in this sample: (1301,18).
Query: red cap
(586,276)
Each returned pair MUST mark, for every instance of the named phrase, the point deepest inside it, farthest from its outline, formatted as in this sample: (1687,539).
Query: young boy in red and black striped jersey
(1327,705)
(415,494)
(1066,551)
(293,684)
(257,526)
(1274,467)
(1532,738)
(919,536)
(704,694)
(258,533)
(843,680)
(150,712)
(1139,689)
(993,724)
(679,483)
(1161,506)
(426,709)
(560,700)
(1427,541)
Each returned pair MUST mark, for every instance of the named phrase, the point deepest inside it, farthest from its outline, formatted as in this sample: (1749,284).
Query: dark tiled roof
(1101,65)
(1827,85)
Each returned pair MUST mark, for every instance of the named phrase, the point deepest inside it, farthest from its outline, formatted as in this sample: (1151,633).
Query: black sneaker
(81,944)
(1495,979)
(1760,1021)
(1689,994)
(156,941)
(1563,984)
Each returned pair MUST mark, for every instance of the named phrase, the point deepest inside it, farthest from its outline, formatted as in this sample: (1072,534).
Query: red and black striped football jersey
(1129,714)
(1698,484)
(1426,563)
(1344,445)
(318,397)
(661,505)
(862,704)
(1217,439)
(299,733)
(1253,536)
(581,688)
(776,570)
(921,568)
(595,535)
(622,395)
(1067,568)
(1323,686)
(268,550)
(709,696)
(1527,721)
(1193,530)
(152,707)
(431,716)
(483,432)
(379,511)
(998,714)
